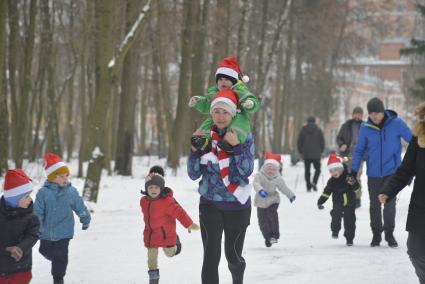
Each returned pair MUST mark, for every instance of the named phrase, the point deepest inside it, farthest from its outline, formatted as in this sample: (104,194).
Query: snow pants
(57,253)
(153,256)
(340,212)
(233,223)
(268,220)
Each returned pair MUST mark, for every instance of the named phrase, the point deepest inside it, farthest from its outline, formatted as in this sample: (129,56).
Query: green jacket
(203,104)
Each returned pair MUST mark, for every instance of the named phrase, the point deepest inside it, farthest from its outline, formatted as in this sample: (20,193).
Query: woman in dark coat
(413,165)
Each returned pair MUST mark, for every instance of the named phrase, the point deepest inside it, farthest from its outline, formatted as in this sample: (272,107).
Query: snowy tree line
(93,79)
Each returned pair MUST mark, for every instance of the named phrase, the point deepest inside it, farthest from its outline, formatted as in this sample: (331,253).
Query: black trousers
(268,220)
(375,185)
(307,165)
(347,213)
(214,222)
(57,253)
(416,252)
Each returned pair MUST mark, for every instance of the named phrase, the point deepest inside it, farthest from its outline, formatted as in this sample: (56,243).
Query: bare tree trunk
(87,27)
(20,106)
(143,107)
(52,127)
(98,124)
(105,70)
(199,33)
(181,121)
(4,111)
(220,41)
(126,124)
(165,88)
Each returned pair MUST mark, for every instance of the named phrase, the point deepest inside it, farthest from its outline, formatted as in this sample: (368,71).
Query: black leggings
(234,223)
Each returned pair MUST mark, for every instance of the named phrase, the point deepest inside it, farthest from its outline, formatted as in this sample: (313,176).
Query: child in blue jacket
(54,205)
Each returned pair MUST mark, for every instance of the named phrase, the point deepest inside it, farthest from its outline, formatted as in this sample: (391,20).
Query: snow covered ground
(112,250)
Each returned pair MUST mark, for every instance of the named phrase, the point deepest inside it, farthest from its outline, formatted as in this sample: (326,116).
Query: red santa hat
(274,159)
(229,67)
(226,99)
(334,162)
(53,165)
(16,185)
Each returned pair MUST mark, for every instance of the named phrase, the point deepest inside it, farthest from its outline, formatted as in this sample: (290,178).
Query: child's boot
(201,143)
(178,245)
(153,276)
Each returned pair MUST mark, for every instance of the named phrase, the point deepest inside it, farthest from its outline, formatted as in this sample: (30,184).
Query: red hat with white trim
(53,165)
(16,185)
(274,159)
(226,99)
(229,68)
(334,162)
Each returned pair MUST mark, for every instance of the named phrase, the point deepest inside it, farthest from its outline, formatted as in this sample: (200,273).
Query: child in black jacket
(343,199)
(19,228)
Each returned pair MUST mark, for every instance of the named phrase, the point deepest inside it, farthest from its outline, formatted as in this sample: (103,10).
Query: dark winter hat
(357,109)
(158,170)
(375,105)
(311,119)
(154,179)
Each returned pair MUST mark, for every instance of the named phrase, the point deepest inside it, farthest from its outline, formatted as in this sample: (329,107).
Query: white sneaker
(273,240)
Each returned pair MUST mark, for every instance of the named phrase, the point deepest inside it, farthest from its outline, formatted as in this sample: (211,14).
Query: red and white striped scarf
(242,193)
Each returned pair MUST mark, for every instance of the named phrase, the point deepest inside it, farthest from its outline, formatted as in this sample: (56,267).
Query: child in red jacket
(160,211)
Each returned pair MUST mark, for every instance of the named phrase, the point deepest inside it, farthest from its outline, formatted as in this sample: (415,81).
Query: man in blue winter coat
(380,138)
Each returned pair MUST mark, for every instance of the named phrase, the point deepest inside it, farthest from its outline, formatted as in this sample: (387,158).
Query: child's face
(62,180)
(221,117)
(25,201)
(154,191)
(336,173)
(270,169)
(223,84)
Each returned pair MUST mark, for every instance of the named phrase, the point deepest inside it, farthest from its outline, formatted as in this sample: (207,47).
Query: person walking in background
(380,138)
(311,145)
(347,140)
(266,183)
(413,165)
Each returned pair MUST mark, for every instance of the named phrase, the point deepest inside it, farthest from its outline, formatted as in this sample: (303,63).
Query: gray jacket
(269,184)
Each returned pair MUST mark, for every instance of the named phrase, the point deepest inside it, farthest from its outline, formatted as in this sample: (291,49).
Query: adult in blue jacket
(380,138)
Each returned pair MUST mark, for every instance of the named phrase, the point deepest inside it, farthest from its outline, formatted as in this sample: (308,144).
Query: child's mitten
(193,101)
(292,199)
(320,206)
(194,227)
(263,193)
(85,226)
(248,104)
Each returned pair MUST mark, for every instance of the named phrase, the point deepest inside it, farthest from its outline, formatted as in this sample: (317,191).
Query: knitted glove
(15,252)
(320,206)
(194,227)
(292,199)
(248,104)
(85,226)
(193,101)
(263,193)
